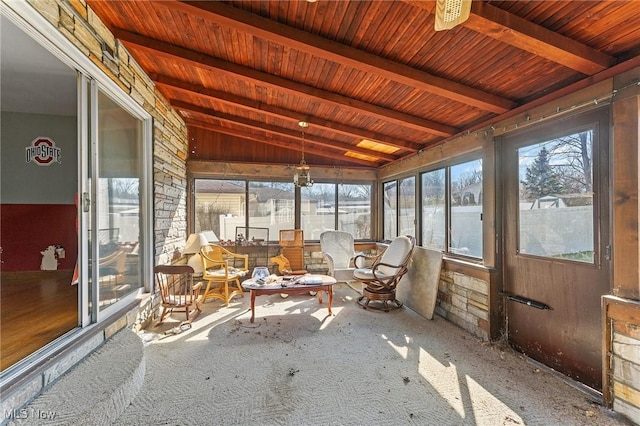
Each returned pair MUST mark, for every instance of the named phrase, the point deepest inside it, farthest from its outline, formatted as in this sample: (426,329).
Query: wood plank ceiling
(373,79)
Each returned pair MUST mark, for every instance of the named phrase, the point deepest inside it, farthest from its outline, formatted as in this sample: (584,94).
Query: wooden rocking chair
(177,291)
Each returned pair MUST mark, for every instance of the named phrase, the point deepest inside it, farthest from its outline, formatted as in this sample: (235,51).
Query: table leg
(320,295)
(330,291)
(253,305)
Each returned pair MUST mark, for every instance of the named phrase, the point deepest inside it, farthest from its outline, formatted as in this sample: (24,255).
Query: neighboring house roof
(211,186)
(223,186)
(265,194)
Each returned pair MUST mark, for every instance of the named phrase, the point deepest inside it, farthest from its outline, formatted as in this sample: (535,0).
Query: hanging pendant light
(302,178)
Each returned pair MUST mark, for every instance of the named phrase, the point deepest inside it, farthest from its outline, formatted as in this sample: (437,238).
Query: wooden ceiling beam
(309,150)
(192,58)
(303,41)
(286,133)
(508,28)
(281,113)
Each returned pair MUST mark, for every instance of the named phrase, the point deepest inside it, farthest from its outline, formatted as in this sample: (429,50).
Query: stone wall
(621,364)
(464,300)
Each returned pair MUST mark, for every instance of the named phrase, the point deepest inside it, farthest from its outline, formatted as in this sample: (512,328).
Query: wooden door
(556,244)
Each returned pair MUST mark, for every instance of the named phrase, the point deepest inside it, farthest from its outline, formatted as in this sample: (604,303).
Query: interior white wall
(29,183)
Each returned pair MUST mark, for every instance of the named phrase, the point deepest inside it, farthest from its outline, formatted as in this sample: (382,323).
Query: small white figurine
(49,260)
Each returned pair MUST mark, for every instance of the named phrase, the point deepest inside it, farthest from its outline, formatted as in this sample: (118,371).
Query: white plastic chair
(338,250)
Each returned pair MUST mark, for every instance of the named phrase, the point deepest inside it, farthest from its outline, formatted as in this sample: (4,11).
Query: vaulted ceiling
(373,79)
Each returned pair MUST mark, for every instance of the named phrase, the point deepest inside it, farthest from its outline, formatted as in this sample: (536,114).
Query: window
(399,212)
(390,210)
(221,205)
(556,198)
(454,226)
(318,209)
(330,206)
(407,203)
(120,142)
(465,220)
(433,209)
(272,206)
(354,212)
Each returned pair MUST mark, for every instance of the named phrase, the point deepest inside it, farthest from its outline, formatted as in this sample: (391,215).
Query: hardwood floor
(36,307)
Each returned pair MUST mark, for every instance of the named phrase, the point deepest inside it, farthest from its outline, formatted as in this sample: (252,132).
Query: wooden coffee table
(283,286)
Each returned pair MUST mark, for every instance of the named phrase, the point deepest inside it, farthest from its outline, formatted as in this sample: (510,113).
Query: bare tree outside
(351,192)
(433,187)
(324,193)
(125,187)
(466,183)
(562,166)
(208,216)
(575,169)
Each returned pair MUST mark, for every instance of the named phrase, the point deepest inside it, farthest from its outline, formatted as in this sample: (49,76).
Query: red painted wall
(28,229)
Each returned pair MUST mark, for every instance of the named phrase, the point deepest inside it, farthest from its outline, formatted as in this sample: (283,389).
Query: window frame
(421,207)
(418,207)
(273,237)
(448,203)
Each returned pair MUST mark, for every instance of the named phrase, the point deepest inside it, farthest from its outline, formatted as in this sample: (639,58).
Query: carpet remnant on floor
(295,365)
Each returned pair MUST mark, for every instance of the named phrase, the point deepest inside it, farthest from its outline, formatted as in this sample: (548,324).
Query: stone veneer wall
(77,22)
(314,261)
(621,365)
(626,375)
(464,300)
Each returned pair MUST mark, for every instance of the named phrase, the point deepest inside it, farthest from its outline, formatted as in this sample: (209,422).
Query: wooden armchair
(291,258)
(385,273)
(177,291)
(222,269)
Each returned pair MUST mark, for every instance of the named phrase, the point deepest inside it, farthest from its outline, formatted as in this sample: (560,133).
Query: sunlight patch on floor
(323,316)
(202,325)
(444,380)
(403,351)
(483,401)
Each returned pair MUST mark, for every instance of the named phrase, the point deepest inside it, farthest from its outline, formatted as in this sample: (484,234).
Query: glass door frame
(31,21)
(90,173)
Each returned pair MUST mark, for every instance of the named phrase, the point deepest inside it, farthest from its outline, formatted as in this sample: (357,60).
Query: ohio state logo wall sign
(43,152)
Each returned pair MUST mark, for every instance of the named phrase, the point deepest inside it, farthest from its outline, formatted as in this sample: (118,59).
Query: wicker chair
(384,275)
(221,272)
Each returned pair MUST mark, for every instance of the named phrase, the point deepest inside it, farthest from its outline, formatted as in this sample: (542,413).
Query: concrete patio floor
(297,366)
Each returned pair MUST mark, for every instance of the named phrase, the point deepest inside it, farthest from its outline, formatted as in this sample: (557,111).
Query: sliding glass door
(116,161)
(76,196)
